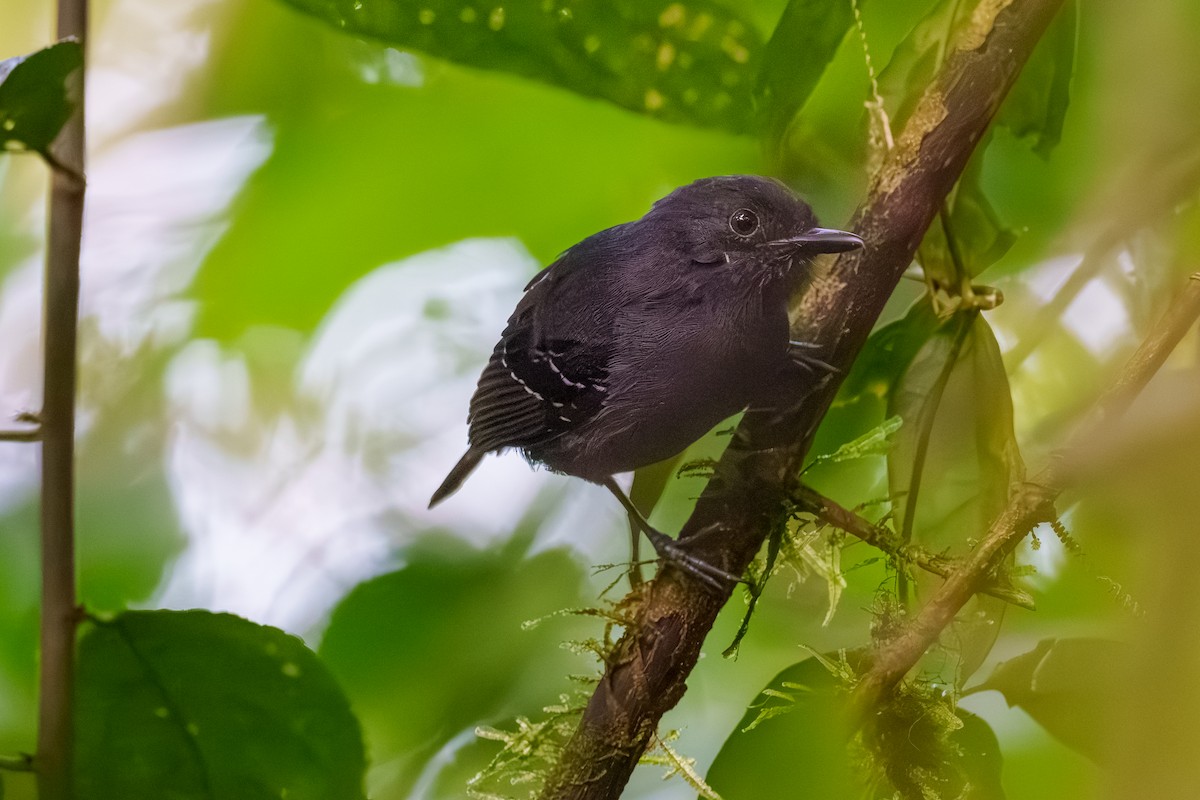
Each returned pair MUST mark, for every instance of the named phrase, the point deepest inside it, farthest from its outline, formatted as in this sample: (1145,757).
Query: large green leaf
(954,458)
(1067,685)
(34,99)
(190,704)
(690,62)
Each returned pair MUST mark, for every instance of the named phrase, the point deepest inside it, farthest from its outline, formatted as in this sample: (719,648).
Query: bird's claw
(673,552)
(797,352)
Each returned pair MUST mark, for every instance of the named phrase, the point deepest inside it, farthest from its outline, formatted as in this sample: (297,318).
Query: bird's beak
(819,240)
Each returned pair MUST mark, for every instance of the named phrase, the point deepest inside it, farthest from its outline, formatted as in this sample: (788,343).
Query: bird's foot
(802,354)
(673,552)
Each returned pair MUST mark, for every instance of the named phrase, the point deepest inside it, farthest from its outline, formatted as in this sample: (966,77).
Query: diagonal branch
(748,495)
(842,518)
(1031,503)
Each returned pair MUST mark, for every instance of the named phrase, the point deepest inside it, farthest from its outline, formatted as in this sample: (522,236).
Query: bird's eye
(743,222)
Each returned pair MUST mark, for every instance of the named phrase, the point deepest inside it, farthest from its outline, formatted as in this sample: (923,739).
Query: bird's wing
(549,370)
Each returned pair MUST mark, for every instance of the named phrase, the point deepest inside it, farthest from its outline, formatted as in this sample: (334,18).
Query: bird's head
(755,228)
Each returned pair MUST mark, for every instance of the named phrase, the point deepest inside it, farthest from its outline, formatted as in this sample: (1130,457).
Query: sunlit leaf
(950,469)
(1067,686)
(34,99)
(875,442)
(190,704)
(802,45)
(689,61)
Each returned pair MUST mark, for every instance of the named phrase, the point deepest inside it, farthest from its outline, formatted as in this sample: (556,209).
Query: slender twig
(31,435)
(646,673)
(1030,503)
(61,308)
(832,513)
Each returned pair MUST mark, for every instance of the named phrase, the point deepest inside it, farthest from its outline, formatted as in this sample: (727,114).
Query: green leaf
(651,481)
(803,44)
(888,353)
(791,742)
(35,102)
(1067,686)
(190,704)
(980,237)
(953,461)
(1037,104)
(691,62)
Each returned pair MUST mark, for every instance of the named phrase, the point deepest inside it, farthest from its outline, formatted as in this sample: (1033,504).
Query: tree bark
(748,495)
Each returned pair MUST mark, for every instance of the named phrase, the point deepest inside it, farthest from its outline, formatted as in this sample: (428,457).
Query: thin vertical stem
(59,326)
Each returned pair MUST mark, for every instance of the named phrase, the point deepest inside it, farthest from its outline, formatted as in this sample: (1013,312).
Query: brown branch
(61,309)
(832,513)
(1031,503)
(748,495)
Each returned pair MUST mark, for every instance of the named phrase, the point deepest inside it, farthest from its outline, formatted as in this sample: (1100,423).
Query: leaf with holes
(35,102)
(689,62)
(190,704)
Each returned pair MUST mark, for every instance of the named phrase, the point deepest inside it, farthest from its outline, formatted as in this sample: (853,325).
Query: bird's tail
(462,469)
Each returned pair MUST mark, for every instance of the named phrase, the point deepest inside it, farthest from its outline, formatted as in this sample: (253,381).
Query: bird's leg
(670,550)
(635,560)
(802,355)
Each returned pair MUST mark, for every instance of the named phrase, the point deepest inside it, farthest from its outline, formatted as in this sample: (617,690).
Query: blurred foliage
(1058,682)
(441,647)
(213,466)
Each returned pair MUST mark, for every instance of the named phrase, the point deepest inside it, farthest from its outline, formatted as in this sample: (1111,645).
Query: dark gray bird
(642,337)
